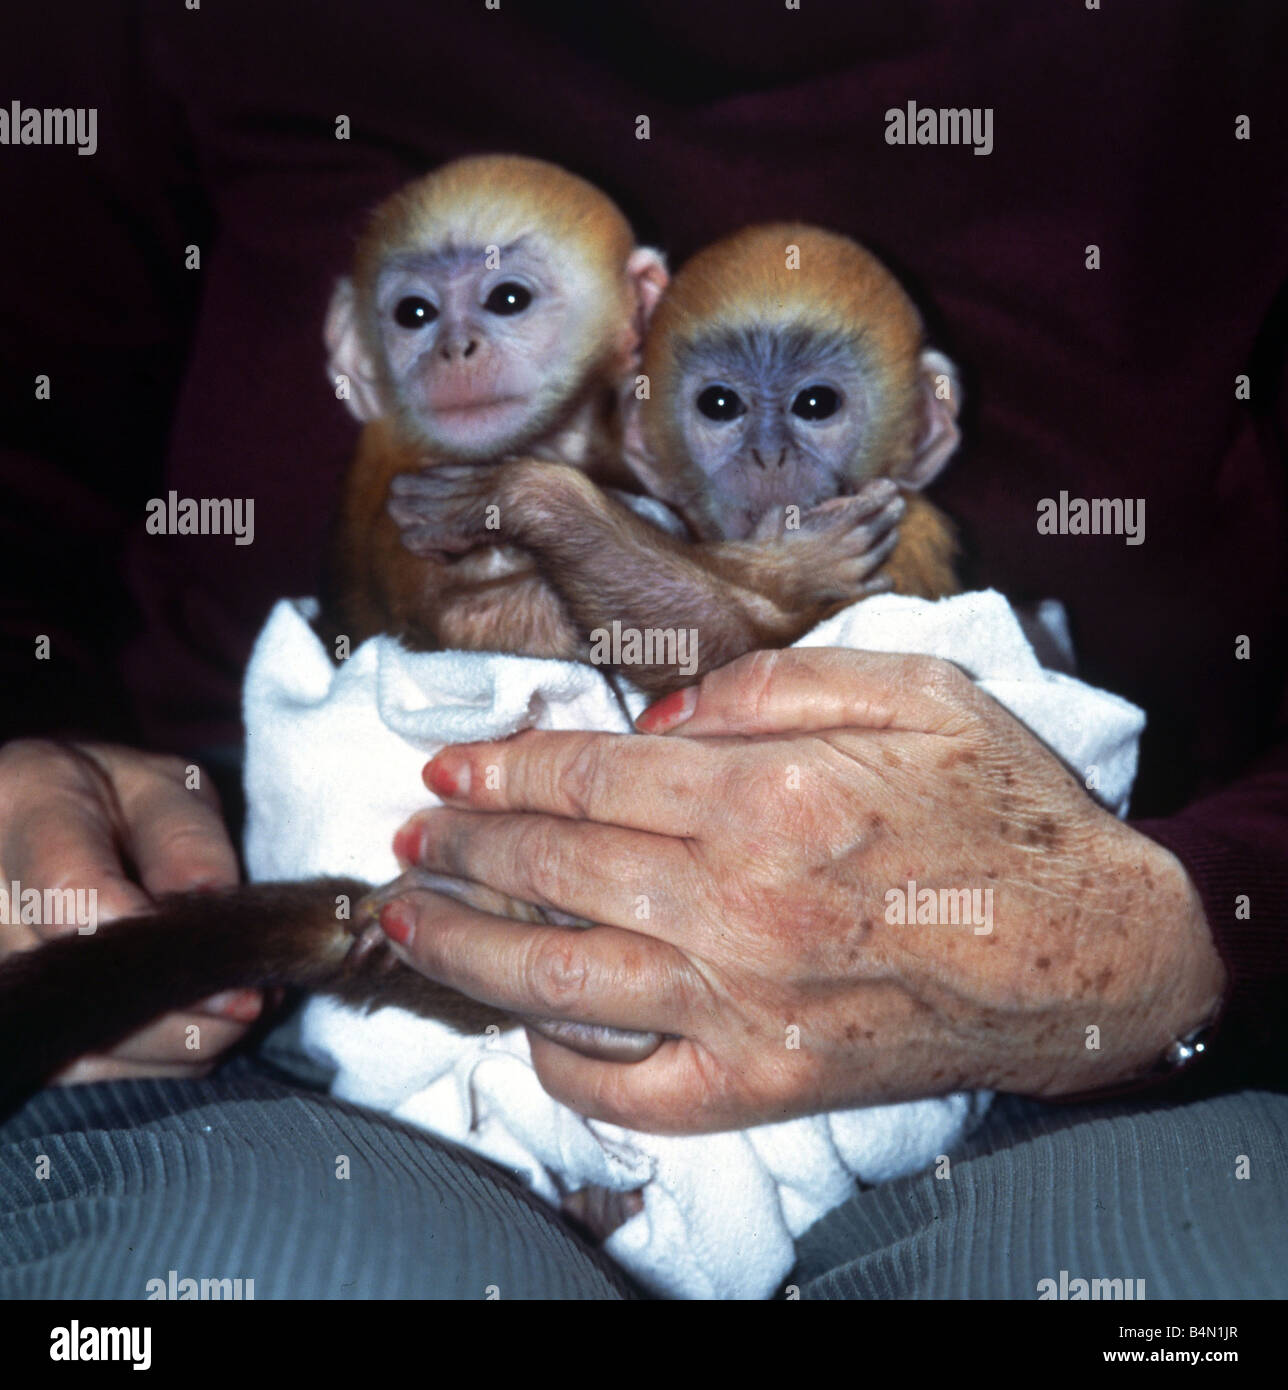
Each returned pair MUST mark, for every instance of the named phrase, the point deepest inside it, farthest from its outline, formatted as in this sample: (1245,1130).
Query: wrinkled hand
(748,874)
(72,816)
(443,509)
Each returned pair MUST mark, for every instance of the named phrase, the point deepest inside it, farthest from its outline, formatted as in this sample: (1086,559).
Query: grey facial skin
(772,418)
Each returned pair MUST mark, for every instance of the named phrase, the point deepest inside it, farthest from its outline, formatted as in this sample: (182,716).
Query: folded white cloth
(333,764)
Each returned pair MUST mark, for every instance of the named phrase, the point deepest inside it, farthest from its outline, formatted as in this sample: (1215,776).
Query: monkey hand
(836,553)
(446,509)
(71,817)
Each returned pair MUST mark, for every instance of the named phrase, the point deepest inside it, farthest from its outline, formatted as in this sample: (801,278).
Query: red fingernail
(240,1005)
(447,775)
(396,922)
(407,844)
(669,712)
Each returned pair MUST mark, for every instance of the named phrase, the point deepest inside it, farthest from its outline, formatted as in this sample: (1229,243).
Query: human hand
(746,872)
(94,816)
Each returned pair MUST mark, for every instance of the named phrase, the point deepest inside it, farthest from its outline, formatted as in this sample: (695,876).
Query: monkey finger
(866,530)
(871,497)
(438,519)
(427,491)
(409,511)
(432,540)
(432,476)
(882,584)
(603,976)
(851,580)
(855,589)
(872,552)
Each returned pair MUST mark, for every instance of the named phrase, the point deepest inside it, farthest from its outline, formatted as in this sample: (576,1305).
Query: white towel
(333,763)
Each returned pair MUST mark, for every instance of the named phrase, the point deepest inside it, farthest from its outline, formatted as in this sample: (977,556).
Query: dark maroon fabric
(1114,127)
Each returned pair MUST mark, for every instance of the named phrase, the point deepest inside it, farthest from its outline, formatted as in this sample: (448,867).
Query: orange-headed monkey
(495,307)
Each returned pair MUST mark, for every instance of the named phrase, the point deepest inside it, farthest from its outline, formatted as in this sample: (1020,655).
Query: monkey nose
(459,349)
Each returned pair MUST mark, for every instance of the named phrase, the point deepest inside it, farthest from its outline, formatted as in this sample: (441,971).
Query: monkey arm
(607,563)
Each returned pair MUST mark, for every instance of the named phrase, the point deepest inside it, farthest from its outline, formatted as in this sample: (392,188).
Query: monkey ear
(635,452)
(647,272)
(940,393)
(347,356)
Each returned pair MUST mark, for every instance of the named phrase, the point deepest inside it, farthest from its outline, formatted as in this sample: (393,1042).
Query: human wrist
(1183,980)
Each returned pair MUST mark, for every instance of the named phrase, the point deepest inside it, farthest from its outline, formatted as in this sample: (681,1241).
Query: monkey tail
(80,994)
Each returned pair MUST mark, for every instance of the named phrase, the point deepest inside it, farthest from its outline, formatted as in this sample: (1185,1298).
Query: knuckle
(186,840)
(577,777)
(37,774)
(21,757)
(556,972)
(151,790)
(940,679)
(754,676)
(538,861)
(173,768)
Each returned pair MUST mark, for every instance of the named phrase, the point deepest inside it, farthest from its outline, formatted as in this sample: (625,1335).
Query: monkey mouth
(464,407)
(748,494)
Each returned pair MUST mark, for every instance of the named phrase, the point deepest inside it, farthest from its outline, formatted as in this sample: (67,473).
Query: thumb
(808,689)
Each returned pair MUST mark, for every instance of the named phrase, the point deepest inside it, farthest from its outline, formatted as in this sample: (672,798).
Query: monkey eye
(414,312)
(816,403)
(720,403)
(508,298)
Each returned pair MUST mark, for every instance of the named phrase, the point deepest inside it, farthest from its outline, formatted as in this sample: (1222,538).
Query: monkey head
(786,365)
(487,300)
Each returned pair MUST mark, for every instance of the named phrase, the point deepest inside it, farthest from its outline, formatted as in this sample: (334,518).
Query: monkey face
(771,417)
(482,346)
